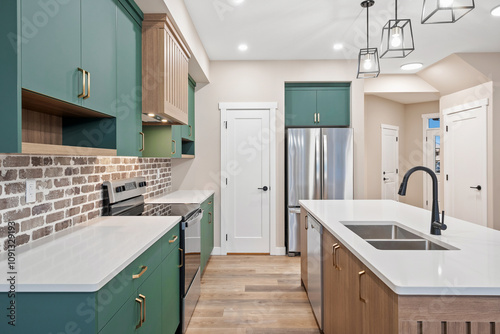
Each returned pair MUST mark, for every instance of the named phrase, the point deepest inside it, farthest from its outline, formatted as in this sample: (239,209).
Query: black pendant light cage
(397,37)
(368,60)
(368,63)
(445,11)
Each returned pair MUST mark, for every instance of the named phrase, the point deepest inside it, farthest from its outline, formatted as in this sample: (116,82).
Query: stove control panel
(121,190)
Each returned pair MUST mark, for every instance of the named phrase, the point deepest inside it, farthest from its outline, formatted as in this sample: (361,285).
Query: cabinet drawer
(170,241)
(114,294)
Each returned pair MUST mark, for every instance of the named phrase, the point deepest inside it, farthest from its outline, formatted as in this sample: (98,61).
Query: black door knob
(386,179)
(265,188)
(478,187)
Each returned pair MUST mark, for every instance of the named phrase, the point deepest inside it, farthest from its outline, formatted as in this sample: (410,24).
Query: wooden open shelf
(34,148)
(187,156)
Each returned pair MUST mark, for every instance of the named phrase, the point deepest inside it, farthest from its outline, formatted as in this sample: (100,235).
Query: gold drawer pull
(144,268)
(361,273)
(210,222)
(144,310)
(141,310)
(190,131)
(83,83)
(209,203)
(174,147)
(173,240)
(182,257)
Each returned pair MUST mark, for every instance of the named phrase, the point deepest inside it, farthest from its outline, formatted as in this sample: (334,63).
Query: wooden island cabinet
(356,301)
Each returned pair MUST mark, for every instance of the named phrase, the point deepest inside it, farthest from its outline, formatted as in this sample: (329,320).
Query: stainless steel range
(126,198)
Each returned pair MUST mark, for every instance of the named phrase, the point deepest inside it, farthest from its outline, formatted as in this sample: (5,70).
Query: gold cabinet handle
(209,203)
(142,135)
(88,86)
(334,258)
(318,116)
(182,258)
(210,222)
(144,268)
(141,311)
(173,240)
(144,309)
(361,273)
(174,147)
(190,130)
(315,118)
(83,83)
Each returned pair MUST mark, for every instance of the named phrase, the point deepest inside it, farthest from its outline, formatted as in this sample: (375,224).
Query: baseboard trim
(216,251)
(279,251)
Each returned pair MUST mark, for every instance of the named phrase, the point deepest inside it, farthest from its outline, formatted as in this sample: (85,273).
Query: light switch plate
(30,191)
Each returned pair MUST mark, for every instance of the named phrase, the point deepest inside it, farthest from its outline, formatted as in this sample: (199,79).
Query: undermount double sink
(388,235)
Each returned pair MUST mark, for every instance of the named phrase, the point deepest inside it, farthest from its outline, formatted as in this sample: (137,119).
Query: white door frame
(388,127)
(271,107)
(425,120)
(444,143)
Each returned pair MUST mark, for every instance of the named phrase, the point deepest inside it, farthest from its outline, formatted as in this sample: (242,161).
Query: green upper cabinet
(51,49)
(300,107)
(98,47)
(128,100)
(317,104)
(188,130)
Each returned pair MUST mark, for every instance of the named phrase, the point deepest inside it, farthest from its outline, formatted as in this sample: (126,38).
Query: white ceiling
(307,29)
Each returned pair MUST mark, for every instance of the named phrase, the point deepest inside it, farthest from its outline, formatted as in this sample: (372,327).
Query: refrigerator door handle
(318,157)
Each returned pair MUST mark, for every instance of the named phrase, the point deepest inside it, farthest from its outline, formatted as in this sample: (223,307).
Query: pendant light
(368,62)
(397,38)
(445,11)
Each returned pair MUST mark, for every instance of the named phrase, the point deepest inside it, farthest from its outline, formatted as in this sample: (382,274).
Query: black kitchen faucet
(436,225)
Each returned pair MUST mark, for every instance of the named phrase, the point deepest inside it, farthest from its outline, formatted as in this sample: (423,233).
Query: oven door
(192,251)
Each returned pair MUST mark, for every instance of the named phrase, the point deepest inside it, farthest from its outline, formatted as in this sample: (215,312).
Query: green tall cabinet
(317,104)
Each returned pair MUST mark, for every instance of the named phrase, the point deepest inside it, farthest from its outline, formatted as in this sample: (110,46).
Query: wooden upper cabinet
(165,60)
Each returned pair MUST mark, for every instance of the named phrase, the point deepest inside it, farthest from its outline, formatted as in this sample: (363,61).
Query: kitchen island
(452,288)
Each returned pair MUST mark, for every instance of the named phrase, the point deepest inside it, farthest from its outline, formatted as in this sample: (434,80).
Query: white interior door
(248,148)
(466,164)
(390,162)
(432,152)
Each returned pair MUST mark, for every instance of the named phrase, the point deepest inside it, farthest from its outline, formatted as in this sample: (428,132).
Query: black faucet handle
(444,227)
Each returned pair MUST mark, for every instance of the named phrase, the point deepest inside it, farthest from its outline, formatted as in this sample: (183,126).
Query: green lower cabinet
(170,292)
(207,231)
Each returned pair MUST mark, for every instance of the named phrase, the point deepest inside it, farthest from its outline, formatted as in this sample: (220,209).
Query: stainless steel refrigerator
(319,166)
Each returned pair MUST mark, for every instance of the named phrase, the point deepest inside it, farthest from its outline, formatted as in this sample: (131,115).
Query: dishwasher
(315,269)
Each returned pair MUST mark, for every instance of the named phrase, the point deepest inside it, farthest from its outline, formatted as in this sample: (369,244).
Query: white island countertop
(473,269)
(183,197)
(85,257)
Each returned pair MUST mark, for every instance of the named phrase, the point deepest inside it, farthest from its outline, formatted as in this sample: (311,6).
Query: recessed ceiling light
(411,66)
(151,115)
(243,47)
(237,2)
(495,11)
(338,46)
(164,120)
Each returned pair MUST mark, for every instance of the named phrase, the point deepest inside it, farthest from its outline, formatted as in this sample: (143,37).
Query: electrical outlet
(30,191)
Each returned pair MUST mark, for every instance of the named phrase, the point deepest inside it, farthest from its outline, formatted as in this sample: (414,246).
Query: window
(434,123)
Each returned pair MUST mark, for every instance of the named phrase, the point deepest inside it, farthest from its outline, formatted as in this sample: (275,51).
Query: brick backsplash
(68,190)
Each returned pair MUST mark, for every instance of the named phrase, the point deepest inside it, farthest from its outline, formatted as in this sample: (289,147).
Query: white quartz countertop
(473,269)
(85,257)
(183,197)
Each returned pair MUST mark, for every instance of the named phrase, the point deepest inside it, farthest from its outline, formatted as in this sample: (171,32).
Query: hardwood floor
(243,294)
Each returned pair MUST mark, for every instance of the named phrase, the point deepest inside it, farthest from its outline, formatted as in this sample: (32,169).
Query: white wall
(261,81)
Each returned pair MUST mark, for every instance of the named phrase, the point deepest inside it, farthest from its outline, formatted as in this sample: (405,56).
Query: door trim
(271,107)
(425,124)
(382,128)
